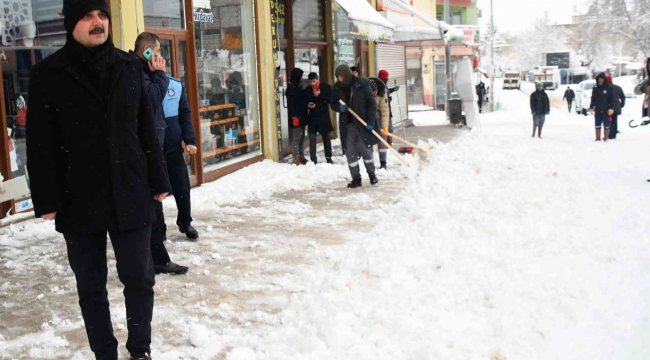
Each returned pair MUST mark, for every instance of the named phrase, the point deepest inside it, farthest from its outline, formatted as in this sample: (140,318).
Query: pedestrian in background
(356,93)
(618,105)
(95,166)
(297,109)
(157,83)
(318,96)
(380,91)
(383,75)
(540,107)
(569,95)
(602,106)
(480,91)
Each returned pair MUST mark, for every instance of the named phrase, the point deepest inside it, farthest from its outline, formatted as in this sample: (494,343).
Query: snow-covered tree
(614,26)
(532,44)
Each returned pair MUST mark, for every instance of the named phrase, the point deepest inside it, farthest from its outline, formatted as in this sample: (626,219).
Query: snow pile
(429,118)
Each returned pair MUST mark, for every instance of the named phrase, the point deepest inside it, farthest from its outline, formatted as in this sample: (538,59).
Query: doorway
(173,48)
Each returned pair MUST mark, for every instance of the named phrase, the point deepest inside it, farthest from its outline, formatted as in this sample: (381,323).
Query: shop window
(345,51)
(29,32)
(165,13)
(227,74)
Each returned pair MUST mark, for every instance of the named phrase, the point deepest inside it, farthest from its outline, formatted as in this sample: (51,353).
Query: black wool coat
(319,117)
(96,162)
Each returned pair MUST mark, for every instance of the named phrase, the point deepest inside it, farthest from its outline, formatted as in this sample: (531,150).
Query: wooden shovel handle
(377,135)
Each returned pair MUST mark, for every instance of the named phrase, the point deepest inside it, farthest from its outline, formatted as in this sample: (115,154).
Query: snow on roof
(362,11)
(413,33)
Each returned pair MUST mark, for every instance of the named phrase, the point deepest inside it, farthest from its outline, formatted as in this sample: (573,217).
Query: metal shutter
(392,58)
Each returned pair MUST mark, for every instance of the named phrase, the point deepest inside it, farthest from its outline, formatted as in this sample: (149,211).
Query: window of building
(164,13)
(29,32)
(227,75)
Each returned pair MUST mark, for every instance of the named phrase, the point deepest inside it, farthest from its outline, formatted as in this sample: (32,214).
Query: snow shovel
(410,143)
(376,135)
(645,121)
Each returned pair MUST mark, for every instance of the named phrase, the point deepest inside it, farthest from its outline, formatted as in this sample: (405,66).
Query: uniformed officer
(159,87)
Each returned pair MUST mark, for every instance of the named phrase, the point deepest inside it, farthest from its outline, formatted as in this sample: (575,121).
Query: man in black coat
(318,96)
(619,104)
(480,91)
(95,164)
(357,94)
(569,95)
(540,106)
(297,109)
(157,84)
(602,105)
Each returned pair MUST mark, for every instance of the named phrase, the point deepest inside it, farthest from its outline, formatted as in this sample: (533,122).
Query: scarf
(94,62)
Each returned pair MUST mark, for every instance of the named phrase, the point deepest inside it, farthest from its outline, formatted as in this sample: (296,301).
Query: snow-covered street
(500,246)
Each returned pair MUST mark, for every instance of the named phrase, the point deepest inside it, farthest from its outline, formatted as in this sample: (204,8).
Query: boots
(329,161)
(303,160)
(356,182)
(597,134)
(190,232)
(171,268)
(382,165)
(373,179)
(296,160)
(606,137)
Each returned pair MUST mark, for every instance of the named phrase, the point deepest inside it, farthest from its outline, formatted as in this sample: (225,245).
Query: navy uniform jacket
(178,118)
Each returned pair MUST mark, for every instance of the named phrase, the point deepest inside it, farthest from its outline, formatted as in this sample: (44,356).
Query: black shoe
(190,232)
(382,165)
(140,357)
(356,182)
(171,268)
(329,161)
(373,179)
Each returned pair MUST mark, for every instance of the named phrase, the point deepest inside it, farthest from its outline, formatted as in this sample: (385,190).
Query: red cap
(609,79)
(383,75)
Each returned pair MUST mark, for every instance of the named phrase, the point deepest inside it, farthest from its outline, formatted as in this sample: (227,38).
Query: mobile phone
(147,54)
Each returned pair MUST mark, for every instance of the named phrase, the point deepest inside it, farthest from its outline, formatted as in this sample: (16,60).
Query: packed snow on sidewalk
(502,246)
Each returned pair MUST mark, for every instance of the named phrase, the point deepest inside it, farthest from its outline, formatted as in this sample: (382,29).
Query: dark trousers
(614,128)
(87,257)
(327,144)
(158,236)
(570,103)
(180,181)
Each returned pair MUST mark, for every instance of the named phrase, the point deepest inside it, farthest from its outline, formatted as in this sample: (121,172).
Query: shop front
(30,31)
(210,45)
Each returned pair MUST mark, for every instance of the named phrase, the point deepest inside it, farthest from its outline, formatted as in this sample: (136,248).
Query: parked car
(628,83)
(583,96)
(511,80)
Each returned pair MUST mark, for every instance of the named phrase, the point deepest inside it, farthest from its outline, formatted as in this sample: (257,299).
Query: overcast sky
(513,15)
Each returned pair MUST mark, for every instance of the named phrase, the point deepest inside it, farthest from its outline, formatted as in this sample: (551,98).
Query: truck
(511,80)
(549,76)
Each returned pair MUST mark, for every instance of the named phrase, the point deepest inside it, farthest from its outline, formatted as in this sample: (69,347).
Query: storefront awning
(413,33)
(367,23)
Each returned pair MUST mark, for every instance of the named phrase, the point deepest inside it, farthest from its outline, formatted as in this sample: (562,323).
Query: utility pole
(492,100)
(447,16)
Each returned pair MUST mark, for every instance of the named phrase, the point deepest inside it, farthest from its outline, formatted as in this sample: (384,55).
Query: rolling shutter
(392,58)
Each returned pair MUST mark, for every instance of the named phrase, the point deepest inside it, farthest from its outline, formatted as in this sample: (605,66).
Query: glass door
(173,50)
(440,84)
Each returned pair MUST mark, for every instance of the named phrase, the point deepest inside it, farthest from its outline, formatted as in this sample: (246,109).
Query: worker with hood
(383,76)
(619,104)
(297,109)
(356,93)
(380,91)
(602,105)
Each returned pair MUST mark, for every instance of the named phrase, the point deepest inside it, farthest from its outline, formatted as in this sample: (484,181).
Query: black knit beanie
(75,10)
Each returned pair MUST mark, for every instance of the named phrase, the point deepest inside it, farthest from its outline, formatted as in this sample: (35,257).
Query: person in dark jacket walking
(602,105)
(540,106)
(297,109)
(356,93)
(318,96)
(383,76)
(174,110)
(95,164)
(480,91)
(618,104)
(157,83)
(569,95)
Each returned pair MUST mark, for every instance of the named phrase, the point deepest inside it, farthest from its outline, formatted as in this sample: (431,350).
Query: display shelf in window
(220,122)
(230,148)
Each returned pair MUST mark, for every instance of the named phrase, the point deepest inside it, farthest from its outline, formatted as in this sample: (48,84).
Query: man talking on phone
(147,48)
(95,167)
